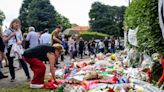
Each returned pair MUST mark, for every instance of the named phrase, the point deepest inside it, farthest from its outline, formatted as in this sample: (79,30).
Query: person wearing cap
(35,57)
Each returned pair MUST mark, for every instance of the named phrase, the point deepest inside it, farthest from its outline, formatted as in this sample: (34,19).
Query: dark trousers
(101,50)
(112,50)
(62,57)
(1,64)
(11,67)
(1,75)
(81,53)
(74,54)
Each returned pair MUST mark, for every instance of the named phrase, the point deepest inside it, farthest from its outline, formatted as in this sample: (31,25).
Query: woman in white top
(13,35)
(71,44)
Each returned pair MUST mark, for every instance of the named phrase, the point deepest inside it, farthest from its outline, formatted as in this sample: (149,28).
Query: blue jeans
(101,50)
(112,50)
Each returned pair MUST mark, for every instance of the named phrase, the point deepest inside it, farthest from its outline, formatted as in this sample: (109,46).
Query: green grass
(23,88)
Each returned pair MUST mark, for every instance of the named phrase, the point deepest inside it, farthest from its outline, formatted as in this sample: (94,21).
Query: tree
(106,19)
(120,13)
(62,20)
(2,17)
(41,15)
(38,13)
(144,14)
(73,25)
(24,10)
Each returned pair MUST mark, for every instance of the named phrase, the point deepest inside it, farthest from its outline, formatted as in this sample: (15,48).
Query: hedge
(144,14)
(92,35)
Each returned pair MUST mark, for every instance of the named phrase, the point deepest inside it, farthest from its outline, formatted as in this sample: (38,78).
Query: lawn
(23,88)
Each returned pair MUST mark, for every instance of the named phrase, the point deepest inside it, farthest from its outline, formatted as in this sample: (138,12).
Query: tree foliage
(41,15)
(2,17)
(144,14)
(106,19)
(62,20)
(24,10)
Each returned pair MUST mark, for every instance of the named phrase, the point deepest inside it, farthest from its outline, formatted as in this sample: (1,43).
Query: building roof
(81,28)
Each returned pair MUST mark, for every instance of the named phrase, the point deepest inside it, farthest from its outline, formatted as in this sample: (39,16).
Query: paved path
(20,76)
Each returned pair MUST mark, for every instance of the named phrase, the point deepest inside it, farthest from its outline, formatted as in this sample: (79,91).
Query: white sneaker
(36,85)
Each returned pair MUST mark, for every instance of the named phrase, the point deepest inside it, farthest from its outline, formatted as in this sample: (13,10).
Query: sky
(75,10)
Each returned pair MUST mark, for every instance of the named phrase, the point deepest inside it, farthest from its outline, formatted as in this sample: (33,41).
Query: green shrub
(144,14)
(92,35)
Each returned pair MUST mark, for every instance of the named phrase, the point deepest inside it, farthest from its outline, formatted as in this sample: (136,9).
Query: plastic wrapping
(146,85)
(60,73)
(71,88)
(147,62)
(136,74)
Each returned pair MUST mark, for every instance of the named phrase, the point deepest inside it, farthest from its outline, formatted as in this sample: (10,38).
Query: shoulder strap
(15,35)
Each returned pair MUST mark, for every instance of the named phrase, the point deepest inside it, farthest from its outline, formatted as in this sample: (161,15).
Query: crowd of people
(34,47)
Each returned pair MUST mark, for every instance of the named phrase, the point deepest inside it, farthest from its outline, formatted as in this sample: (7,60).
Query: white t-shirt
(101,45)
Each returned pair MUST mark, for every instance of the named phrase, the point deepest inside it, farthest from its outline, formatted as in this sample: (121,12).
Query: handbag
(16,50)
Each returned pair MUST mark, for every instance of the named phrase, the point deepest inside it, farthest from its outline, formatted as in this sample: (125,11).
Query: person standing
(76,47)
(89,47)
(85,47)
(45,38)
(32,37)
(116,43)
(106,43)
(112,50)
(101,46)
(66,47)
(71,44)
(2,48)
(81,47)
(55,38)
(93,50)
(13,36)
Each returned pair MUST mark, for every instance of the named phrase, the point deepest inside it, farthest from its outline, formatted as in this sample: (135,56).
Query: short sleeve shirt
(54,33)
(33,38)
(14,39)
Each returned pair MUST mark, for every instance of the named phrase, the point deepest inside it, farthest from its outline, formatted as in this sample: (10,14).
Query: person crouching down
(36,56)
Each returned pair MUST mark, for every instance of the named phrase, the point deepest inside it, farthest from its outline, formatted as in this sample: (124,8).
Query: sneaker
(5,76)
(6,65)
(12,80)
(36,85)
(57,63)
